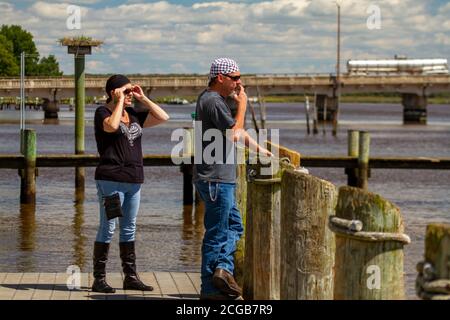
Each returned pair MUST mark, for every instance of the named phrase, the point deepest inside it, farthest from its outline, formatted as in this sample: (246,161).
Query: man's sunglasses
(234,78)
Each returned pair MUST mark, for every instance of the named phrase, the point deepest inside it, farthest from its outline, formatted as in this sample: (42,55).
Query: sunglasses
(128,91)
(234,78)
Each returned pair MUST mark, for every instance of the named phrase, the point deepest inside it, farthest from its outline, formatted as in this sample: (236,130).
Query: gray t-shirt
(214,113)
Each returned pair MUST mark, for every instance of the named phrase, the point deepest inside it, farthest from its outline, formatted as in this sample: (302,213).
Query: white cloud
(269,36)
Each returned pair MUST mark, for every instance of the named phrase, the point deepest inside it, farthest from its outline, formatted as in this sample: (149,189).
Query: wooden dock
(53,286)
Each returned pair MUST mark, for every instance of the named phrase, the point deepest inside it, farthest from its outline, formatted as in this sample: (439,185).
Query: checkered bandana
(222,66)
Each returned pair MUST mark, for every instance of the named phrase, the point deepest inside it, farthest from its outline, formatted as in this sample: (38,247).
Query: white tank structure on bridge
(414,88)
(397,67)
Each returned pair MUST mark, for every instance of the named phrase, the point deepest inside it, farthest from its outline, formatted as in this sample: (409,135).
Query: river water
(60,230)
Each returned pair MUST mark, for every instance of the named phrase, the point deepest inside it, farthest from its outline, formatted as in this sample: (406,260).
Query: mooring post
(264,192)
(307,245)
(187,167)
(363,159)
(369,252)
(28,176)
(433,279)
(353,151)
(307,114)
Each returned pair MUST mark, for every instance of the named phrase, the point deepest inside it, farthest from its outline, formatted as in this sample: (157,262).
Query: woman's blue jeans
(223,228)
(130,196)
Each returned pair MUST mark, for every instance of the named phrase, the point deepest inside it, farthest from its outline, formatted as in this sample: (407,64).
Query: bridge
(414,88)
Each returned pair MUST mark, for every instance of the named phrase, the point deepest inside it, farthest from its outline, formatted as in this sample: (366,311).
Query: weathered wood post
(433,279)
(353,151)
(369,258)
(307,245)
(28,174)
(264,191)
(241,200)
(186,168)
(363,159)
(307,114)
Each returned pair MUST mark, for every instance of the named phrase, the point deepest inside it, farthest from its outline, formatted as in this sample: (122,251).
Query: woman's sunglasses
(128,91)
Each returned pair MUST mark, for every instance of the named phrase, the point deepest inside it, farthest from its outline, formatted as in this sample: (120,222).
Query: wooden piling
(188,188)
(283,152)
(264,192)
(308,131)
(314,114)
(369,263)
(28,174)
(433,280)
(307,245)
(79,117)
(353,151)
(363,159)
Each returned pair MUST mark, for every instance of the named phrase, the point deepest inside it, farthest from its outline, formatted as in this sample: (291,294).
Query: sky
(263,36)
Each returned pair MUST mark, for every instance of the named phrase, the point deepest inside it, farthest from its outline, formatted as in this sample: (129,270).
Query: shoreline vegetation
(443,99)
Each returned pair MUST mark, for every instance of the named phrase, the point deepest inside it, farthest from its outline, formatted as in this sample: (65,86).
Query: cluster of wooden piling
(306,239)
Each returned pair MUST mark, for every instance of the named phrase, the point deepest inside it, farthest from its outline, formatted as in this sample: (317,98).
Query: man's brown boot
(224,281)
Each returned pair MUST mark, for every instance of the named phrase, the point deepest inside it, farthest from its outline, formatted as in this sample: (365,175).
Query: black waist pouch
(113,208)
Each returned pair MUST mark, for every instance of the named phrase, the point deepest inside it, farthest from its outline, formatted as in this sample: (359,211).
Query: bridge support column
(50,108)
(414,108)
(326,105)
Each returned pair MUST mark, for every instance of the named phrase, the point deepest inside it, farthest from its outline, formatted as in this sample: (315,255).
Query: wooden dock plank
(53,286)
(9,285)
(168,287)
(115,280)
(184,285)
(45,285)
(60,290)
(196,281)
(26,287)
(149,279)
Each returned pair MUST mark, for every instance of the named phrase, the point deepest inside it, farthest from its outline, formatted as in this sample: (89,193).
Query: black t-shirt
(120,151)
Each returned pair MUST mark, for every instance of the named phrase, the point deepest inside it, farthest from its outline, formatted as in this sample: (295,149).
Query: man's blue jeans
(223,228)
(130,196)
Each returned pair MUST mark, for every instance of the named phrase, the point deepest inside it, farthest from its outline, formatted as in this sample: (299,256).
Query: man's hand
(265,152)
(240,96)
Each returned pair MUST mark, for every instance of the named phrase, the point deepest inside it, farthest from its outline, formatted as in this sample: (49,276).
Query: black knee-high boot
(131,280)
(100,258)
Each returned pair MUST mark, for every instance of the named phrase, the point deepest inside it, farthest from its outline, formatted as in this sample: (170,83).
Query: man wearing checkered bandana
(215,182)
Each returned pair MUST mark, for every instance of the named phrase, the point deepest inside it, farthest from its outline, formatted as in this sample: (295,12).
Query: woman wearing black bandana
(119,175)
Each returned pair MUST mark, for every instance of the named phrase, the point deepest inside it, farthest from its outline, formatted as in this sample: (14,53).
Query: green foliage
(49,66)
(16,40)
(8,65)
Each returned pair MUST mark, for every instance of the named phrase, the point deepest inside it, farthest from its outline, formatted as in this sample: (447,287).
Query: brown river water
(60,230)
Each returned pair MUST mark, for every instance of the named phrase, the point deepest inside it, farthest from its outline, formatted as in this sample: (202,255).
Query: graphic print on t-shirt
(132,133)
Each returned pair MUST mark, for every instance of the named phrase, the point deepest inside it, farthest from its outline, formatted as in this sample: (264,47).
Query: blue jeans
(223,228)
(130,196)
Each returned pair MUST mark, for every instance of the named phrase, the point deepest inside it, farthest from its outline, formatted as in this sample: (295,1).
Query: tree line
(13,41)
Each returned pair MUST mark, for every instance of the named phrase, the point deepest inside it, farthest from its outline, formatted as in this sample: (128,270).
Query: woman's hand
(138,93)
(118,94)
